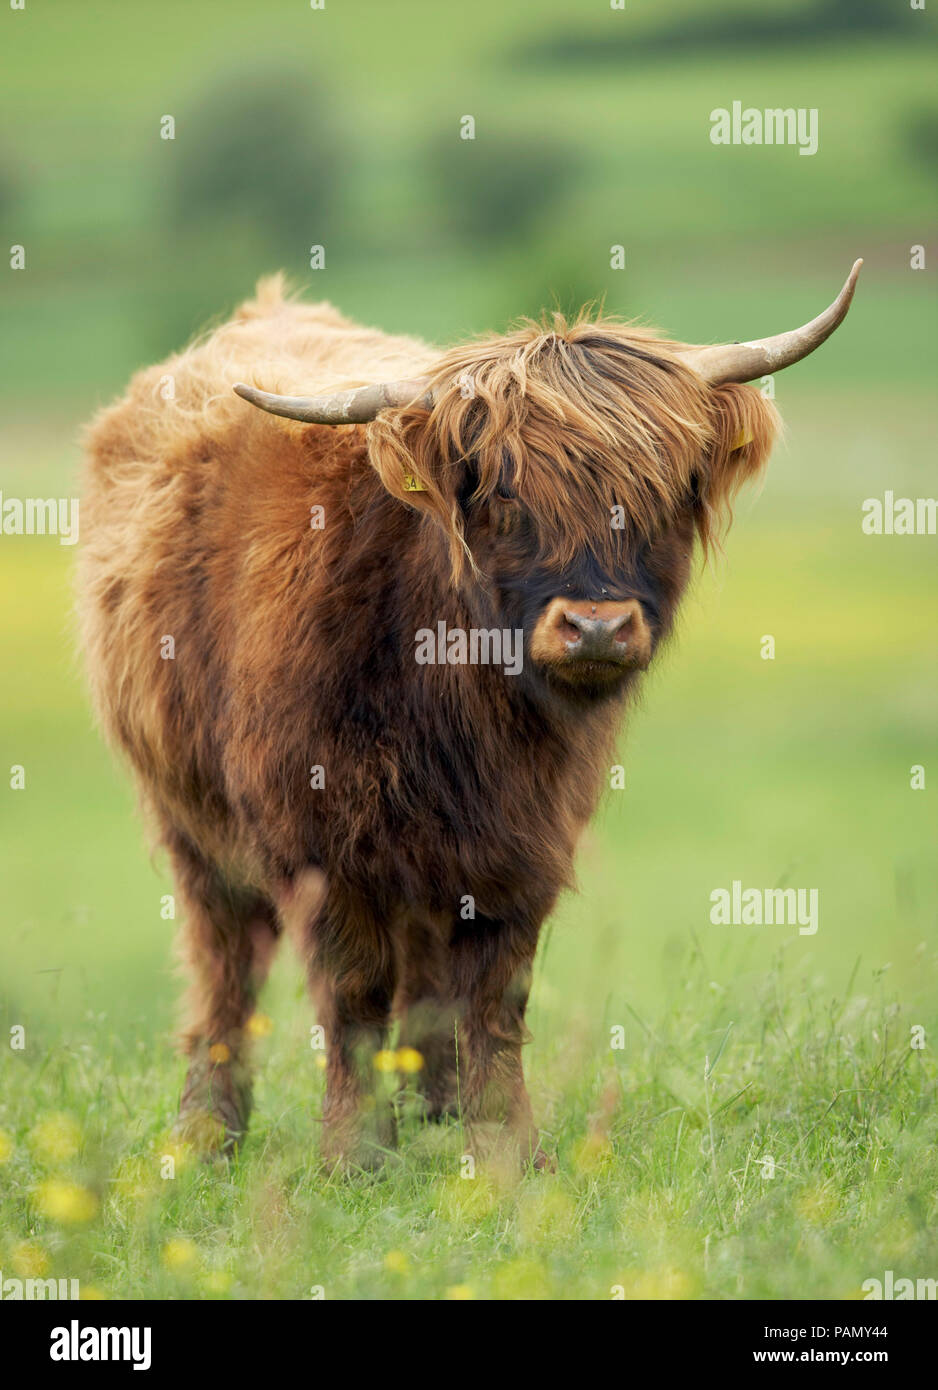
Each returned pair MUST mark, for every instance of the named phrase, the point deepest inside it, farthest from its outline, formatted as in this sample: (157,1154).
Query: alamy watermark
(480,646)
(30,1290)
(77,1343)
(900,516)
(756,907)
(777,125)
(889,1288)
(40,516)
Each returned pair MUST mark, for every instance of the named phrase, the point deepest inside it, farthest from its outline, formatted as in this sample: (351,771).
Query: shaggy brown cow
(292,631)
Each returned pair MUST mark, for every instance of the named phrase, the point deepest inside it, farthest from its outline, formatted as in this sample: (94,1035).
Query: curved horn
(745,361)
(344,407)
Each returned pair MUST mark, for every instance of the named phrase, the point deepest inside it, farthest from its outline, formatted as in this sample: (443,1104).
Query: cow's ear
(745,426)
(404,451)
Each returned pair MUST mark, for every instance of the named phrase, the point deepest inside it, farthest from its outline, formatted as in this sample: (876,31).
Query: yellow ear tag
(412,483)
(742,439)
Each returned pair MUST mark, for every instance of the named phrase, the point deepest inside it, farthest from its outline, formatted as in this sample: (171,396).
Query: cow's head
(569,468)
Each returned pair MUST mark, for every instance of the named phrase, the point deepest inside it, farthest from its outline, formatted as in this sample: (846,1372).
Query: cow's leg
(352,971)
(228,939)
(428,1013)
(491,964)
(430,1027)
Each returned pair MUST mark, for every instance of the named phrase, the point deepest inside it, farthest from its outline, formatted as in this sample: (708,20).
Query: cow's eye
(504,493)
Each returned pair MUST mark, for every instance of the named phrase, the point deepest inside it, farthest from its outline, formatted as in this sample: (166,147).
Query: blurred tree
(918,136)
(262,151)
(715,26)
(496,186)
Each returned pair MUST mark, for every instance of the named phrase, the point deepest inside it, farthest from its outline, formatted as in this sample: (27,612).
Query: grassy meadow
(767,1129)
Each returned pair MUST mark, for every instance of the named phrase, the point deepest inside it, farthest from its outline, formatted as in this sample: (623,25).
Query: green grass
(801,1163)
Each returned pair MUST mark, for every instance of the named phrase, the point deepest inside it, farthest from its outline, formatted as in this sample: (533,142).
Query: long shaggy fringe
(575,418)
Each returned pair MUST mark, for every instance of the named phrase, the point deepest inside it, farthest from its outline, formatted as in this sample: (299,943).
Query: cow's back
(191,502)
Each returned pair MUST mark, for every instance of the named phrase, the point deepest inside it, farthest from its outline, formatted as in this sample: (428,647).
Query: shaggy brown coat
(292,648)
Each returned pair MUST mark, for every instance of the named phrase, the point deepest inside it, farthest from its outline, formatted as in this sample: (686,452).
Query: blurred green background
(297,127)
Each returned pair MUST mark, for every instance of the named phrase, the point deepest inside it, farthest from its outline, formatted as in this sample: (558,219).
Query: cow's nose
(596,637)
(574,631)
(603,631)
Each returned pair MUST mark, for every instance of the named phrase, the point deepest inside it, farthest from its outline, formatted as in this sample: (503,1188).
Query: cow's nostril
(589,635)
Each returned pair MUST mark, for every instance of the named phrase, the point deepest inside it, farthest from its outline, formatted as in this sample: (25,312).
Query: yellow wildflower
(65,1201)
(180,1254)
(29,1260)
(409,1059)
(57,1136)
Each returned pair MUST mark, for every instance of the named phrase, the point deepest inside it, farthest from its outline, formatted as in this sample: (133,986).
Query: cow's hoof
(542,1162)
(363,1161)
(215,1105)
(205,1134)
(359,1144)
(436,1112)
